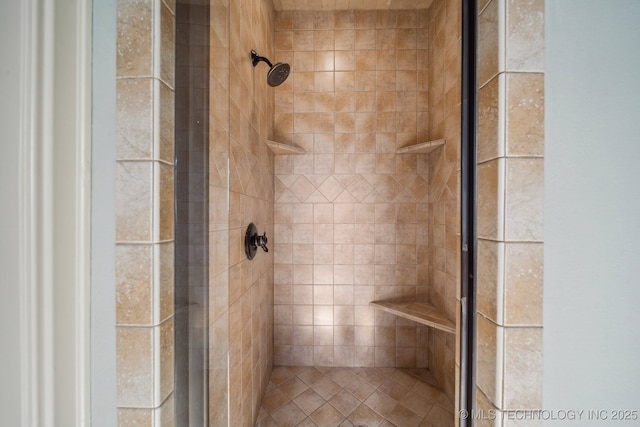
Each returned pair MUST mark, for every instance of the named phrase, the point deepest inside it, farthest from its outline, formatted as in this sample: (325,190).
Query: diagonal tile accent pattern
(351,188)
(329,397)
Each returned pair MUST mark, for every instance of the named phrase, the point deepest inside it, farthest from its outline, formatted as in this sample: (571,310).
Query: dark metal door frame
(468,214)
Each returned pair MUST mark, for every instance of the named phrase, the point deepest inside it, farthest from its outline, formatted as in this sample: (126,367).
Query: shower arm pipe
(257,58)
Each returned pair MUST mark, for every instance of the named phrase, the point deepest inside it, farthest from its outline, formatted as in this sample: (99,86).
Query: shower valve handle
(252,240)
(261,241)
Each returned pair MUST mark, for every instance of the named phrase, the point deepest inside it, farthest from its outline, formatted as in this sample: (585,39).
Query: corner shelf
(281,148)
(420,312)
(421,148)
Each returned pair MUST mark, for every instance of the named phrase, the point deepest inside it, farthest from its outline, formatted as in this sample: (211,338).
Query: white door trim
(54,199)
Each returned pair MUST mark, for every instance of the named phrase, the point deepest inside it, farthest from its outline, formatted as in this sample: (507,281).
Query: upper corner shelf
(280,148)
(421,148)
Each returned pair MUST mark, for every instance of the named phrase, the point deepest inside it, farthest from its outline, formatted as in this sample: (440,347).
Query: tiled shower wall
(351,215)
(510,204)
(444,185)
(218,102)
(250,199)
(144,212)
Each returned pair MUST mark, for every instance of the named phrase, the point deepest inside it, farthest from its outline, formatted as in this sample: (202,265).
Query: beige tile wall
(250,199)
(351,216)
(510,202)
(144,212)
(444,186)
(219,387)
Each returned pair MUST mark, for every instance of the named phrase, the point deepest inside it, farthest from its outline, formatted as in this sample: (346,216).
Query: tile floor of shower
(354,397)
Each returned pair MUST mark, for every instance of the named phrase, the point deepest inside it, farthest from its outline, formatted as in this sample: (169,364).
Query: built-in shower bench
(420,312)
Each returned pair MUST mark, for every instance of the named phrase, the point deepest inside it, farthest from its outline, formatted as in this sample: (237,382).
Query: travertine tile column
(145,212)
(510,198)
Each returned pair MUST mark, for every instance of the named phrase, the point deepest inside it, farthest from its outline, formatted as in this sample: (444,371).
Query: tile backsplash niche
(351,216)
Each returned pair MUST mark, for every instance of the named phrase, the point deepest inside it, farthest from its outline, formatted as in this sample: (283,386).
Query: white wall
(11,355)
(592,208)
(103,293)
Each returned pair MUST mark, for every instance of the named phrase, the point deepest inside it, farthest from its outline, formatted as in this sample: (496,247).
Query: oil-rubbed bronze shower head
(277,74)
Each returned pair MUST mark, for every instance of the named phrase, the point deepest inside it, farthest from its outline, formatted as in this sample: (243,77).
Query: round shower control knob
(252,241)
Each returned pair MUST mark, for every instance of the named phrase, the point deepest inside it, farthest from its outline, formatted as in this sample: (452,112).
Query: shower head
(277,74)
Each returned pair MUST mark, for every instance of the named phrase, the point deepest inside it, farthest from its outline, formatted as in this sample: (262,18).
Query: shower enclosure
(364,87)
(226,305)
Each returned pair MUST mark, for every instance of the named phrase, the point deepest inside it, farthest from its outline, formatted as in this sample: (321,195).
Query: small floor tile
(303,396)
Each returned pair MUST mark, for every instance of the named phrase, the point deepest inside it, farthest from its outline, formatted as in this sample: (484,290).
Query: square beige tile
(488,121)
(133,201)
(309,401)
(523,284)
(525,114)
(490,284)
(489,359)
(488,49)
(134,367)
(524,200)
(491,200)
(135,39)
(525,35)
(523,368)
